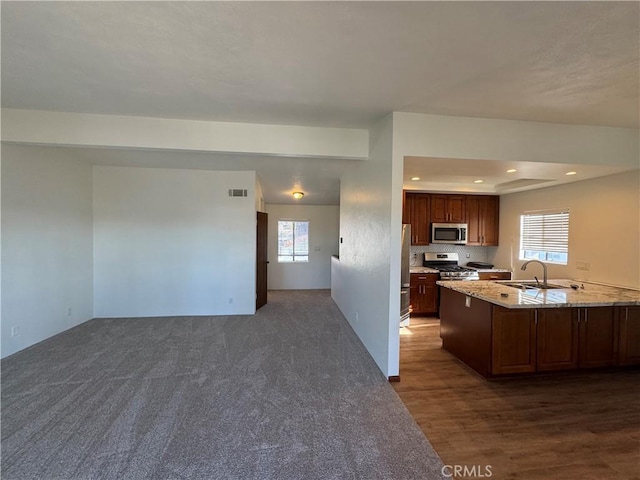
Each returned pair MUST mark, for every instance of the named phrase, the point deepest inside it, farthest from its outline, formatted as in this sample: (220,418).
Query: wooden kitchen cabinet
(423,294)
(629,335)
(448,208)
(570,338)
(513,340)
(557,339)
(417,212)
(494,275)
(494,340)
(482,214)
(598,337)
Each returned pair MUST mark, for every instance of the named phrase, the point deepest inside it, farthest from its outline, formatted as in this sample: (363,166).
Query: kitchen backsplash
(475,254)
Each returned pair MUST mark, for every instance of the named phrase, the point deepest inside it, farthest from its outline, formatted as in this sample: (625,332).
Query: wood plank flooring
(566,426)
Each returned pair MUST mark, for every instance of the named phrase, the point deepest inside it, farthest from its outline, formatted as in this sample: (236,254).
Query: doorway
(261,259)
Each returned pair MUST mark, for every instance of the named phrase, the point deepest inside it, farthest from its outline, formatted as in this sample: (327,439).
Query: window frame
(545,234)
(302,258)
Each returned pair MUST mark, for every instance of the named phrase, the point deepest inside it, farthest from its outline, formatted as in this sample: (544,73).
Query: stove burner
(447,265)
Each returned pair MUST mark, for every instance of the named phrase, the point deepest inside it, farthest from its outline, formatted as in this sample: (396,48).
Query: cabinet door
(448,208)
(474,221)
(494,275)
(513,339)
(424,293)
(629,335)
(456,208)
(417,210)
(482,212)
(557,346)
(490,214)
(598,337)
(439,212)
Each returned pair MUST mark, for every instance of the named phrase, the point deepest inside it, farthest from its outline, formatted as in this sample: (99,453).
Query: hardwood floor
(561,426)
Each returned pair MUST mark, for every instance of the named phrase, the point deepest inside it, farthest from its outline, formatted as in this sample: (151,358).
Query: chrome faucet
(544,267)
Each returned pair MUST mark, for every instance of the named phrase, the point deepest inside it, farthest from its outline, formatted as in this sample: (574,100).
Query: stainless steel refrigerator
(405,277)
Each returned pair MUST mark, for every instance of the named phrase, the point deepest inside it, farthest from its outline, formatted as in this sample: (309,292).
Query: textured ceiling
(339,64)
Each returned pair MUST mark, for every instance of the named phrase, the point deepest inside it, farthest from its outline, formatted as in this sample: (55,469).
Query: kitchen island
(500,330)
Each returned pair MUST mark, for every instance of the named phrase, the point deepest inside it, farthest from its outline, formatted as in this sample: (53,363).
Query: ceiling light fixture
(571,173)
(512,170)
(415,178)
(297,195)
(478,181)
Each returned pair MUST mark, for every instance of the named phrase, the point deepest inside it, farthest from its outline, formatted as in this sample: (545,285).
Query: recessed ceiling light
(297,195)
(512,170)
(571,173)
(478,181)
(415,178)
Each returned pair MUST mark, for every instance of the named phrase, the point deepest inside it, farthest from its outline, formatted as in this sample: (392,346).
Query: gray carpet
(289,393)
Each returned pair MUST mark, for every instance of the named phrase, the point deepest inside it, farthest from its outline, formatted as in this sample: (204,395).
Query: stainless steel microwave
(455,233)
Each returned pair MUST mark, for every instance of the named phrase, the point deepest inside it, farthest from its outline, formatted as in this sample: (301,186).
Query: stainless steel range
(447,265)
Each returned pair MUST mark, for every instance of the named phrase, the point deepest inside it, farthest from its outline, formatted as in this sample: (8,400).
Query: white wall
(172,242)
(492,139)
(604,228)
(365,254)
(46,244)
(85,129)
(324,224)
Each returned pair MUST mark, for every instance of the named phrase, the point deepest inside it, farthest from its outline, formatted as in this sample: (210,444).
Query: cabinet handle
(586,319)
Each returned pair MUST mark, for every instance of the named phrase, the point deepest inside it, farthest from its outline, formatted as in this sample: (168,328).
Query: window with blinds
(293,241)
(544,236)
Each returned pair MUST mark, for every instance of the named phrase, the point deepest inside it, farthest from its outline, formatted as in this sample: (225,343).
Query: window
(293,241)
(544,236)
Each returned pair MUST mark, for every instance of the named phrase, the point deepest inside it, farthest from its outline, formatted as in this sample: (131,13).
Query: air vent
(237,192)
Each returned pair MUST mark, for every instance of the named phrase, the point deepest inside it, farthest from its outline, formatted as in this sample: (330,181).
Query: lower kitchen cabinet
(513,336)
(557,339)
(494,275)
(598,337)
(424,294)
(629,335)
(494,340)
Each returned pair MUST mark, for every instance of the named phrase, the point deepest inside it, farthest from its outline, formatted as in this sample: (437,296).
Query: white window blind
(293,241)
(544,236)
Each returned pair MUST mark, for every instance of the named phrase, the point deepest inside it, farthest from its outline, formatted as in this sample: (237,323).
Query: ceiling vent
(237,192)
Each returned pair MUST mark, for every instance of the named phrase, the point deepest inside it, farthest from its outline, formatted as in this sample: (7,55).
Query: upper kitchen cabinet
(416,211)
(483,212)
(448,208)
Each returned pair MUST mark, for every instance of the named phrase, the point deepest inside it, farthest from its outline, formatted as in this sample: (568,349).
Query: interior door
(261,259)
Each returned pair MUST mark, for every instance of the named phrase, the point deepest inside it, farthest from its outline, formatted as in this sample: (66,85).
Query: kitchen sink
(531,284)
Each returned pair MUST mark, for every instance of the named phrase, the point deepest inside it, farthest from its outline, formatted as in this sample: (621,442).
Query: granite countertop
(490,269)
(419,269)
(422,270)
(592,295)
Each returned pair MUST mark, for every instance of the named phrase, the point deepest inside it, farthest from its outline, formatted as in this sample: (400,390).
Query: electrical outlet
(357,318)
(15,331)
(468,255)
(69,311)
(582,265)
(230,300)
(467,302)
